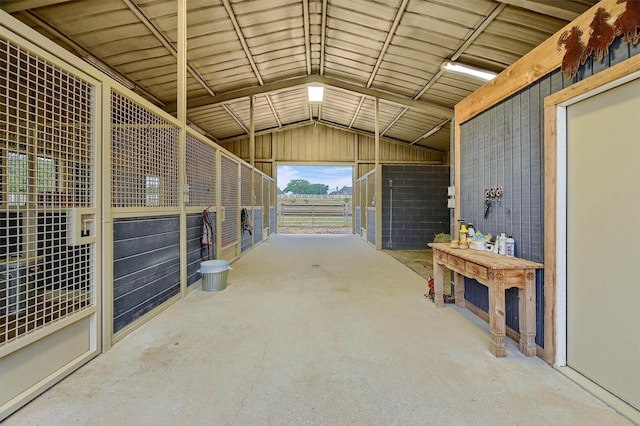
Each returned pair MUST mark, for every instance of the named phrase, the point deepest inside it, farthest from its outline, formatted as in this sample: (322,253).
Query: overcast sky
(328,175)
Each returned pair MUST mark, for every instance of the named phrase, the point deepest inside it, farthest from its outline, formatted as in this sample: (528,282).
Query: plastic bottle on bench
(511,246)
(502,244)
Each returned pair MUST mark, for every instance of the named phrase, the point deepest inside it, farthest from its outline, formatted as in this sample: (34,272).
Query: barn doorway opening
(315,199)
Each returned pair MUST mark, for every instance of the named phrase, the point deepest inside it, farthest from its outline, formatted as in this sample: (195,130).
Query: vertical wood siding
(503,146)
(320,143)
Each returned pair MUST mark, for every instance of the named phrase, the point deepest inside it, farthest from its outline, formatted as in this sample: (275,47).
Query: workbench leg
(497,320)
(438,283)
(459,296)
(527,314)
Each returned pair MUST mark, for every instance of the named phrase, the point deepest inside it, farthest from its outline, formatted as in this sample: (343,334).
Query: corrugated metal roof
(273,49)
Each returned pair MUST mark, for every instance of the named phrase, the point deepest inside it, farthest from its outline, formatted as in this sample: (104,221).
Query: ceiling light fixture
(316,94)
(469,71)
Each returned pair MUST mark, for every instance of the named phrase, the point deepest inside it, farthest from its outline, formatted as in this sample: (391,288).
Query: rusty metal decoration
(601,36)
(573,51)
(628,23)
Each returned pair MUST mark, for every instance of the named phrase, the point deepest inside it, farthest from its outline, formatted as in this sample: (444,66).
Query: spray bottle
(463,235)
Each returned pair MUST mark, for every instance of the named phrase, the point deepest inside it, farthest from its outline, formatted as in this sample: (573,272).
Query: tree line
(301,186)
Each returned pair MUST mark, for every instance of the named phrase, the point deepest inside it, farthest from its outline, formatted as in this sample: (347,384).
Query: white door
(603,248)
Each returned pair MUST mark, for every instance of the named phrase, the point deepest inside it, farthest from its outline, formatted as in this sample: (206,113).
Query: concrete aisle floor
(315,329)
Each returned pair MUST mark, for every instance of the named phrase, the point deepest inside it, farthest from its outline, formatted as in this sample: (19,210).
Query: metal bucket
(214,274)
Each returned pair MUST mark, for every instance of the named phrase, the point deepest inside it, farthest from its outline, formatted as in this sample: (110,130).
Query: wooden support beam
(531,67)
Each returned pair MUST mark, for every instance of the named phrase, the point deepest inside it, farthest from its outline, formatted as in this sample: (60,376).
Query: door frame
(555,146)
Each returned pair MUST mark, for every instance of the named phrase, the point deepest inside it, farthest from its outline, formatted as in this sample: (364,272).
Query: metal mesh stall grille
(201,172)
(245,188)
(362,199)
(266,199)
(371,190)
(46,171)
(229,200)
(144,157)
(257,188)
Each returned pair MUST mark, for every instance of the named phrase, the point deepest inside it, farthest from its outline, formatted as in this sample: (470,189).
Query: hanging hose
(207,237)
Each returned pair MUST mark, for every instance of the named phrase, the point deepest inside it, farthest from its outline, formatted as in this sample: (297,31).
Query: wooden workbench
(498,273)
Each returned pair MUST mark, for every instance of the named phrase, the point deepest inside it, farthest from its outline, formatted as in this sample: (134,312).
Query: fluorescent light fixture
(469,71)
(316,94)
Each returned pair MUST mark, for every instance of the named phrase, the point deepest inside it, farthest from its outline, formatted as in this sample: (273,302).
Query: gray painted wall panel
(419,205)
(371,226)
(503,146)
(257,226)
(146,266)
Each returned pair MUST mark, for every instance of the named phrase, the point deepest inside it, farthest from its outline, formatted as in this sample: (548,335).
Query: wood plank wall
(194,232)
(146,268)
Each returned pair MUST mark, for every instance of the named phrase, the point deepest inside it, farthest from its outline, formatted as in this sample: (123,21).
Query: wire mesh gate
(49,304)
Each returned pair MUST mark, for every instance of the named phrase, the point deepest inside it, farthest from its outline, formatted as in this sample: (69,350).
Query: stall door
(603,253)
(49,304)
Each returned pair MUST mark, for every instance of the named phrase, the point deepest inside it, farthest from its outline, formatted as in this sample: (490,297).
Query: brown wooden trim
(551,103)
(550,197)
(609,75)
(531,67)
(456,180)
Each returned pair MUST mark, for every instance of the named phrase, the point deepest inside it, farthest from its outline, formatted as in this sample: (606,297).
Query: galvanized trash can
(214,274)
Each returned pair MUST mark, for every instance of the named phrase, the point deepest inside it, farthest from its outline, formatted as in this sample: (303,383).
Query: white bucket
(214,274)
